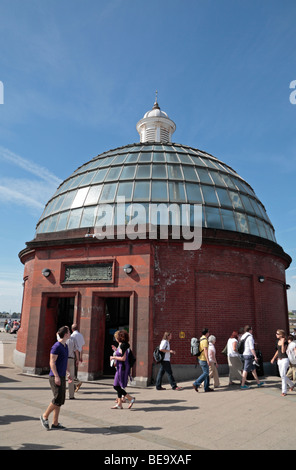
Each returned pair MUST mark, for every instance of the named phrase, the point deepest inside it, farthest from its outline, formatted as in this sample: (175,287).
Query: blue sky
(77,76)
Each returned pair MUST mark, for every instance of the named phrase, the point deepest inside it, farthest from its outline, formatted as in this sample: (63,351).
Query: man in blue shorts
(57,378)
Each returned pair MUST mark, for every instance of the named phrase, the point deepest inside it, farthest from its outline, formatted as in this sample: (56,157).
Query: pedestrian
(234,361)
(57,378)
(291,352)
(204,363)
(73,360)
(122,369)
(250,357)
(283,360)
(165,364)
(78,337)
(213,367)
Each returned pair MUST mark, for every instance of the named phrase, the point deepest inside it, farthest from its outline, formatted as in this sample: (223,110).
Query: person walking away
(213,367)
(57,378)
(122,369)
(250,357)
(204,363)
(291,352)
(165,365)
(78,337)
(283,360)
(73,360)
(234,361)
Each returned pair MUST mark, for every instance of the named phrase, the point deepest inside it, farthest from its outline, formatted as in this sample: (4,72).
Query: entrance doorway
(117,318)
(65,312)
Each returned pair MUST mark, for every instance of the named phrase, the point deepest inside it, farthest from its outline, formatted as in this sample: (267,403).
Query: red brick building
(77,267)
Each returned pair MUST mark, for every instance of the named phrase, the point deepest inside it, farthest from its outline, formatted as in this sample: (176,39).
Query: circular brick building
(152,236)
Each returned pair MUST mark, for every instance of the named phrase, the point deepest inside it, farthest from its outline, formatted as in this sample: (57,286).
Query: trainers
(178,388)
(245,387)
(57,426)
(260,384)
(44,423)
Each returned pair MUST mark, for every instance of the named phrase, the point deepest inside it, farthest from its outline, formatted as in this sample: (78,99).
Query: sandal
(131,403)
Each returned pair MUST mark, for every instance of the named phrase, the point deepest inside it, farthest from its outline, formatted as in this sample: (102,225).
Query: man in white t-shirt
(79,341)
(250,357)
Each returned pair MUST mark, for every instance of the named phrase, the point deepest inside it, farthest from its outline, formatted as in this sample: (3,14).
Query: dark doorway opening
(117,318)
(65,312)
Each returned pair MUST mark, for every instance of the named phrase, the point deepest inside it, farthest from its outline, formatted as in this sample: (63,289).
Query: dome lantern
(156,126)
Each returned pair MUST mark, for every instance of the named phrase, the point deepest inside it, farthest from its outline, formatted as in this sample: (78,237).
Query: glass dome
(154,172)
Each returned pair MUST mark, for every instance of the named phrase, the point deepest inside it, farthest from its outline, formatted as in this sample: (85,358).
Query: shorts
(248,363)
(59,391)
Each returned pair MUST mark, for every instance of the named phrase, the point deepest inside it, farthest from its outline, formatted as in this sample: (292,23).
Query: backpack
(195,347)
(241,345)
(131,358)
(158,355)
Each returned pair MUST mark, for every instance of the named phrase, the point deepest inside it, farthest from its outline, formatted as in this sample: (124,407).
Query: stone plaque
(89,272)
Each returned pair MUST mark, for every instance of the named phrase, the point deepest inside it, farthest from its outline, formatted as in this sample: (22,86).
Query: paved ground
(228,419)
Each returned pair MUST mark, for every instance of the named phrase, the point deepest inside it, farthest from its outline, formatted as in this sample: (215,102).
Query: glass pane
(88,216)
(93,195)
(76,181)
(228,220)
(236,200)
(62,223)
(145,157)
(159,191)
(79,198)
(247,203)
(132,158)
(159,171)
(142,190)
(108,193)
(217,178)
(176,191)
(172,158)
(74,218)
(52,223)
(241,221)
(209,195)
(158,157)
(99,177)
(87,178)
(69,199)
(189,173)
(253,226)
(113,174)
(174,172)
(118,160)
(193,193)
(213,219)
(223,197)
(125,189)
(144,171)
(128,172)
(204,176)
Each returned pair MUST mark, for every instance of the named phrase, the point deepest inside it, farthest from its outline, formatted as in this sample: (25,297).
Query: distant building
(85,266)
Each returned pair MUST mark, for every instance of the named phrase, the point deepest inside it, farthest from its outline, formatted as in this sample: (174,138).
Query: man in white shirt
(79,341)
(250,357)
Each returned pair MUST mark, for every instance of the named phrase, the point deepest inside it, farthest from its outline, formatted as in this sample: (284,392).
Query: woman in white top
(234,361)
(213,361)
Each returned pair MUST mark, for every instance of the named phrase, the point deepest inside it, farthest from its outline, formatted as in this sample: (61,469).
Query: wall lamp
(261,278)
(288,286)
(46,272)
(127,268)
